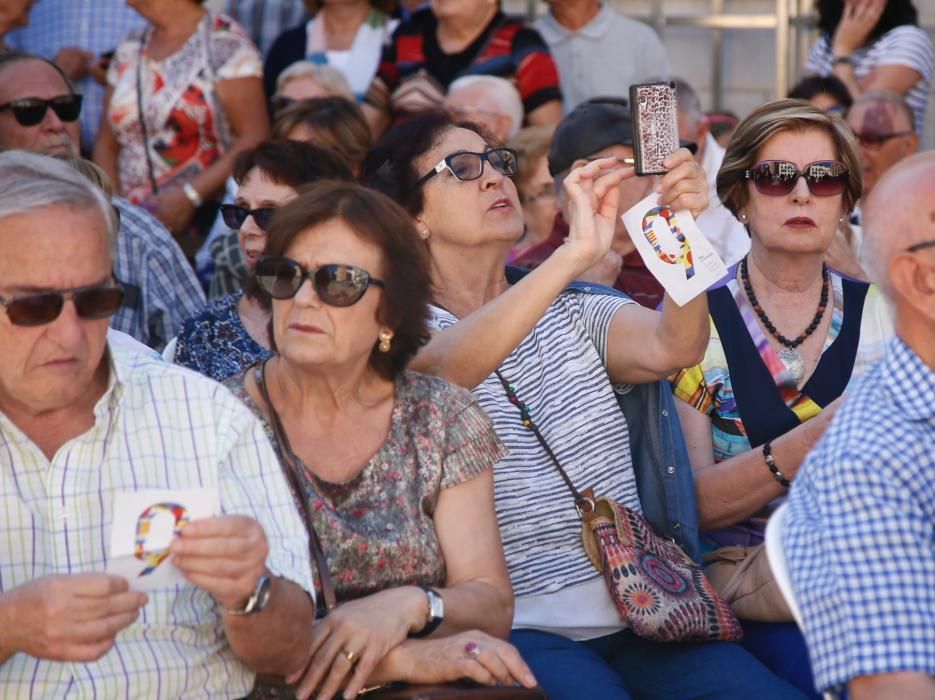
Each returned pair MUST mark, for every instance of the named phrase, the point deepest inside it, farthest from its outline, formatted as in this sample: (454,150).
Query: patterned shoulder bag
(659,591)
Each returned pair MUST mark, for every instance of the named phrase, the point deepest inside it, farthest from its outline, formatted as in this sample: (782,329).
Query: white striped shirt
(906,45)
(559,371)
(156,426)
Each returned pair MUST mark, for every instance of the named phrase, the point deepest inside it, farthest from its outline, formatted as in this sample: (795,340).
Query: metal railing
(793,23)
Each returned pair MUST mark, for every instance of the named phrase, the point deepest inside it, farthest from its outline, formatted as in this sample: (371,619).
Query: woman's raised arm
(470,350)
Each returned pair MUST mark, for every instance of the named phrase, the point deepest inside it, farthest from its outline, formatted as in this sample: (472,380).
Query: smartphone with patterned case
(655,125)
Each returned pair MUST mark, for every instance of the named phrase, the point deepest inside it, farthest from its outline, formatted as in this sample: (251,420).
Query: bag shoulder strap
(584,501)
(292,472)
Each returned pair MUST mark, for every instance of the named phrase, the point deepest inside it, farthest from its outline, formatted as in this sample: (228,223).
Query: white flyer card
(144,525)
(674,249)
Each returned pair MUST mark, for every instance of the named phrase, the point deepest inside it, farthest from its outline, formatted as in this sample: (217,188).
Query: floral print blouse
(215,342)
(186,127)
(377,529)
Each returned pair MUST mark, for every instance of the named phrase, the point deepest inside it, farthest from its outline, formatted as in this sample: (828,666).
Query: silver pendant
(793,361)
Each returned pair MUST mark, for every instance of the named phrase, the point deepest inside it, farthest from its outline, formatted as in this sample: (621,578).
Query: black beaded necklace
(819,313)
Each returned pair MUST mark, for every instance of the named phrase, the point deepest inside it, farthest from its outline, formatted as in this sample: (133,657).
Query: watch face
(264,587)
(436,605)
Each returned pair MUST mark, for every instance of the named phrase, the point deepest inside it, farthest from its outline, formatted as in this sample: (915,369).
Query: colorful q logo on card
(154,558)
(684,256)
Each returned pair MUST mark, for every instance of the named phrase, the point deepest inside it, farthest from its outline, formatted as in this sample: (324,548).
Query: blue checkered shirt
(93,25)
(861,528)
(265,20)
(162,290)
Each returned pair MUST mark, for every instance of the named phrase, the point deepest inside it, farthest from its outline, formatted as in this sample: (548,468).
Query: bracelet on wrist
(771,463)
(192,194)
(848,60)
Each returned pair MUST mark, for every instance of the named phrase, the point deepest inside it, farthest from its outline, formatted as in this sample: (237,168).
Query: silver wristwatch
(436,613)
(258,600)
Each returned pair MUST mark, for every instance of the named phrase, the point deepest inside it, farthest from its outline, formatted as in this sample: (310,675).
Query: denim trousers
(623,666)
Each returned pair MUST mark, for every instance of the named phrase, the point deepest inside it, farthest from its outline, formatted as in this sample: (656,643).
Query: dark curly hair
(390,166)
(896,14)
(404,305)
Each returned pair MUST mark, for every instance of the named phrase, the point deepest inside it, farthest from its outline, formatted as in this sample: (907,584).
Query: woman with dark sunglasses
(563,347)
(396,466)
(231,333)
(788,336)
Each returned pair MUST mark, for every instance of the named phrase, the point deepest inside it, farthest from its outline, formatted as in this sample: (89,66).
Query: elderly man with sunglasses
(83,422)
(860,534)
(39,112)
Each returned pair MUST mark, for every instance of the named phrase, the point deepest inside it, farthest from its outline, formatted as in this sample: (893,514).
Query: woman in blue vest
(787,336)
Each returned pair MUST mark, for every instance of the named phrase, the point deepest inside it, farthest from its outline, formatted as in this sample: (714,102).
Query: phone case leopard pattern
(655,125)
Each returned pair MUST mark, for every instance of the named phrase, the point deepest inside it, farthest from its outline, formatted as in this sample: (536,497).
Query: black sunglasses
(278,103)
(873,141)
(30,111)
(467,166)
(94,302)
(335,285)
(234,215)
(921,246)
(776,178)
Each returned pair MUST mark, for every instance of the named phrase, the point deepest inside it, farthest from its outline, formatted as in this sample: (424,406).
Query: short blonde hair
(773,118)
(337,124)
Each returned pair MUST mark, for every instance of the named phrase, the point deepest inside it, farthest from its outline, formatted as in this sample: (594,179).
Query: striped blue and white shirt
(559,371)
(156,426)
(860,533)
(906,45)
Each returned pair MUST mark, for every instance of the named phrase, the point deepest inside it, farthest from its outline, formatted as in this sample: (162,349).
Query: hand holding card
(144,526)
(224,555)
(674,249)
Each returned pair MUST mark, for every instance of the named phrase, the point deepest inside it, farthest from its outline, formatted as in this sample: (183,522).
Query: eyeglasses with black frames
(467,165)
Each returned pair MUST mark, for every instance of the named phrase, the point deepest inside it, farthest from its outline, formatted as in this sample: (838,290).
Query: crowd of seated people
(370,283)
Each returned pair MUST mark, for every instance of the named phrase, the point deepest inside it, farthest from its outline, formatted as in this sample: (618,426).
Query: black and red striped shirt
(415,73)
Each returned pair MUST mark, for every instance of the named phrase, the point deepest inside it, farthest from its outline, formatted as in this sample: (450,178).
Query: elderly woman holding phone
(394,466)
(562,351)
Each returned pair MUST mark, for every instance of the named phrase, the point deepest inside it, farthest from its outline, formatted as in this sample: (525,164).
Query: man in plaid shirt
(861,526)
(83,423)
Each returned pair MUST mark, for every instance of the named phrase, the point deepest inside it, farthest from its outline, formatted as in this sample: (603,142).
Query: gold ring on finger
(351,656)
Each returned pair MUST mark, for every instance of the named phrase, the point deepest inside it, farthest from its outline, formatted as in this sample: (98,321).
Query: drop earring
(386,340)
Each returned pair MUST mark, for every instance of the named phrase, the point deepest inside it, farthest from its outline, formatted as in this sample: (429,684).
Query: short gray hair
(330,78)
(503,92)
(29,182)
(688,101)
